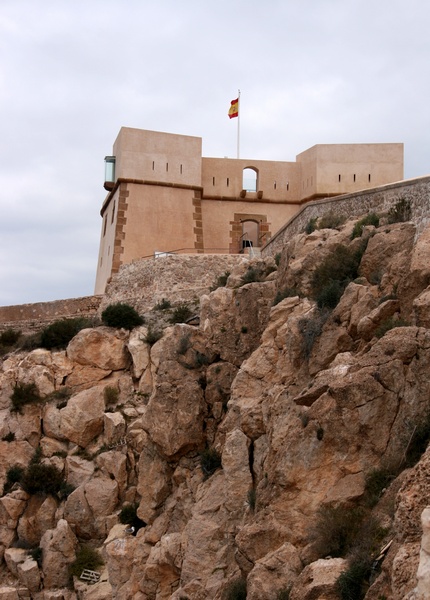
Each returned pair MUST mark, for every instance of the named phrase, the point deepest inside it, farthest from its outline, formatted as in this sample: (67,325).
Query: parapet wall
(30,318)
(378,200)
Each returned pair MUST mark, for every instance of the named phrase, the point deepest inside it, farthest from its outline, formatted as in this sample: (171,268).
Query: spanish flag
(234,108)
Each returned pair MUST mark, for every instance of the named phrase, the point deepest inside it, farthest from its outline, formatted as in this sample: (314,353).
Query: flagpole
(238,123)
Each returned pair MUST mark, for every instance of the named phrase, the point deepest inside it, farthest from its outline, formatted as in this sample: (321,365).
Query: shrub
(278,257)
(284,594)
(210,461)
(111,395)
(37,555)
(24,393)
(311,225)
(42,478)
(181,314)
(334,273)
(310,329)
(331,221)
(351,584)
(252,275)
(236,590)
(184,344)
(86,558)
(335,530)
(128,516)
(376,481)
(59,333)
(9,337)
(163,304)
(9,437)
(13,475)
(121,316)
(388,324)
(285,293)
(152,336)
(221,281)
(31,342)
(400,212)
(370,219)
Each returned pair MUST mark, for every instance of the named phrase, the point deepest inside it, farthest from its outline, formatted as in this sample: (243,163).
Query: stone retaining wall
(30,318)
(175,277)
(378,200)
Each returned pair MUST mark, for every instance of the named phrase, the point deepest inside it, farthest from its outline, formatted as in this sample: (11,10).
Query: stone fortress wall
(179,278)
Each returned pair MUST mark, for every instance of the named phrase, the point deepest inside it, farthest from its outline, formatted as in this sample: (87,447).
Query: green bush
(9,337)
(128,516)
(252,275)
(418,442)
(24,393)
(221,281)
(370,219)
(376,481)
(236,590)
(335,530)
(278,257)
(311,225)
(400,212)
(163,304)
(121,316)
(42,478)
(9,437)
(37,555)
(284,594)
(210,461)
(181,314)
(331,221)
(58,334)
(333,274)
(152,336)
(86,558)
(13,475)
(310,329)
(352,583)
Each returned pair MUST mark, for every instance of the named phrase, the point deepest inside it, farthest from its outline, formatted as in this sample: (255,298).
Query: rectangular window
(274,185)
(213,180)
(340,178)
(104,226)
(288,185)
(113,213)
(369,176)
(228,181)
(167,167)
(354,177)
(180,169)
(153,164)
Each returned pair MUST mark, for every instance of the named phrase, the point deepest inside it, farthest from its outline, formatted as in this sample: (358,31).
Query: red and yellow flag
(234,108)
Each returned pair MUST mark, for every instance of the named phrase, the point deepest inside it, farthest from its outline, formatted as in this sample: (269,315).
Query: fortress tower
(163,196)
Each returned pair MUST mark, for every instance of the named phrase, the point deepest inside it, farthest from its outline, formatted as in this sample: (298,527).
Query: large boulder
(102,347)
(274,573)
(82,419)
(59,547)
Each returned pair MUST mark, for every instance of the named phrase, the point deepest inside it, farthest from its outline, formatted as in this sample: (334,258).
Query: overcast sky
(72,72)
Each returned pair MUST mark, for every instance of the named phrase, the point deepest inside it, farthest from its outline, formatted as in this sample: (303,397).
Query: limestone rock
(28,574)
(102,347)
(59,546)
(38,517)
(154,481)
(423,573)
(275,572)
(318,580)
(82,418)
(235,462)
(8,593)
(78,470)
(13,557)
(114,427)
(162,569)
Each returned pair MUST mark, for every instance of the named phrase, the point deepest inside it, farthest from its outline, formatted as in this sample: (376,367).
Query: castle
(164,197)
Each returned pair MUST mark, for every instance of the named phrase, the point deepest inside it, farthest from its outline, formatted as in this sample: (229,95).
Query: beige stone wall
(177,278)
(330,169)
(30,318)
(158,156)
(379,200)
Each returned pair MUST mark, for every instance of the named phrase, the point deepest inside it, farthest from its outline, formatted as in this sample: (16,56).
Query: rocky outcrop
(235,447)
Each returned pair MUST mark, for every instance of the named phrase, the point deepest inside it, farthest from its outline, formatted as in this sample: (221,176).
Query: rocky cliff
(277,450)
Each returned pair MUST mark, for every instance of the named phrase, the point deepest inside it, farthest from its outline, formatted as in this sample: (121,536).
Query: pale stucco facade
(165,197)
